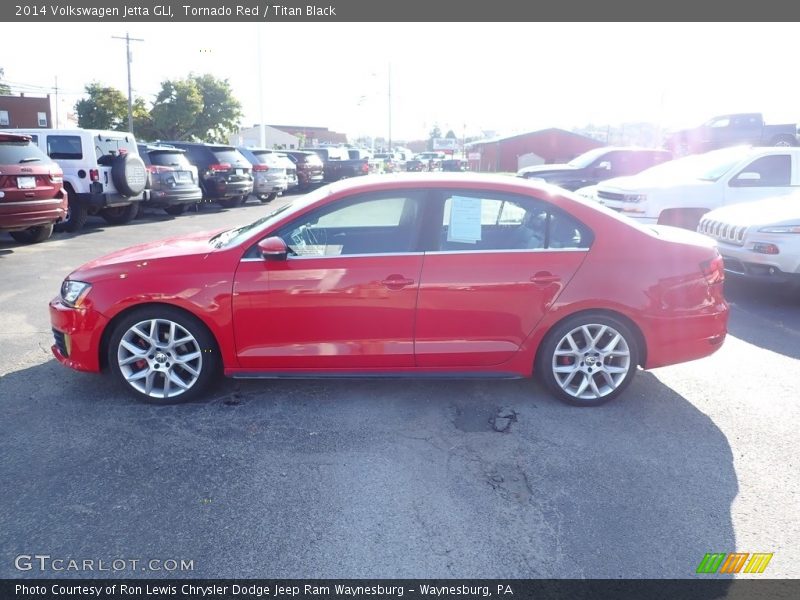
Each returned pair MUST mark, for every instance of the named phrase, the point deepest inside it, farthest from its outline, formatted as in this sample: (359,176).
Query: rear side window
(481,222)
(15,153)
(65,147)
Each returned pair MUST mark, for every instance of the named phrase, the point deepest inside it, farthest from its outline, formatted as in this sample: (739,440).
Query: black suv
(309,168)
(225,175)
(594,166)
(172,181)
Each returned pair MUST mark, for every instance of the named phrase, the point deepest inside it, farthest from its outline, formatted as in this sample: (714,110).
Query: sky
(469,77)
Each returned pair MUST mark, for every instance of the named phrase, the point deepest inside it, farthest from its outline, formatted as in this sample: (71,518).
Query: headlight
(74,292)
(634,198)
(781,229)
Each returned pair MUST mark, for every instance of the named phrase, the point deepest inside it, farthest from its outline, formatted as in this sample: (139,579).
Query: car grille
(722,231)
(610,196)
(61,342)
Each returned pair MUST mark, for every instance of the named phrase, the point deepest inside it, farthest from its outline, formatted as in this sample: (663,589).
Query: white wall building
(275,138)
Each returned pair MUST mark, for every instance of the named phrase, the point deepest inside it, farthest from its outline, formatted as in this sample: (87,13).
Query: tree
(5,89)
(105,108)
(450,134)
(197,108)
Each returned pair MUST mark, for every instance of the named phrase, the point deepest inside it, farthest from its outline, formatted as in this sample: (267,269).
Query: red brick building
(25,111)
(548,146)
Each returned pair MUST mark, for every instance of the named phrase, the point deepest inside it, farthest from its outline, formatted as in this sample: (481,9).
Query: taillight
(94,174)
(56,176)
(219,167)
(260,167)
(713,270)
(365,168)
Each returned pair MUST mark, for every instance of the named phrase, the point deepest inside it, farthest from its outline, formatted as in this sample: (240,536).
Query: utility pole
(56,101)
(390,107)
(128,41)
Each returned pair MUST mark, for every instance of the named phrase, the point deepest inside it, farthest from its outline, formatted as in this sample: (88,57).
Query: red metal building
(510,153)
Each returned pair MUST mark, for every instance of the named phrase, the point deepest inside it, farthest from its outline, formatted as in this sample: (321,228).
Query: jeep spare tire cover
(129,174)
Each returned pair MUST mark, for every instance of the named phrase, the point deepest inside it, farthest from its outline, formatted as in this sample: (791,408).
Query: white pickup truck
(680,192)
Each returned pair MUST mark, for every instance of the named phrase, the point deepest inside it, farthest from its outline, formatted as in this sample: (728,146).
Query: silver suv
(103,173)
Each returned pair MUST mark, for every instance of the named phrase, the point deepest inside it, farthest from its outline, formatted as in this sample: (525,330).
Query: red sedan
(411,275)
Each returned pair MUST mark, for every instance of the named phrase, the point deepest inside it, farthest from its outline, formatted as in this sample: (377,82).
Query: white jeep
(103,173)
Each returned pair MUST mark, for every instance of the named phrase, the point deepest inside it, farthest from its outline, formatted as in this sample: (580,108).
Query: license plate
(182,176)
(240,171)
(26,183)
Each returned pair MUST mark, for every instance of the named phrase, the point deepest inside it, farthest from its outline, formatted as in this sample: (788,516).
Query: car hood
(543,170)
(771,211)
(119,263)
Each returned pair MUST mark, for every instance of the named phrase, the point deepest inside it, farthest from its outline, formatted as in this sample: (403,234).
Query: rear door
(497,264)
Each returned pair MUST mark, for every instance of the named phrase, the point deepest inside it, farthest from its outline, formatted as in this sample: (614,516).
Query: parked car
(681,194)
(731,130)
(173,182)
(455,164)
(309,168)
(225,176)
(270,178)
(103,173)
(759,241)
(431,161)
(597,165)
(416,165)
(444,275)
(336,163)
(388,160)
(32,198)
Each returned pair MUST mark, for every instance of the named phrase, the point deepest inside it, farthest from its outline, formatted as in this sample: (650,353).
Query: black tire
(175,210)
(198,369)
(119,215)
(785,140)
(129,174)
(33,235)
(264,198)
(231,202)
(77,213)
(604,371)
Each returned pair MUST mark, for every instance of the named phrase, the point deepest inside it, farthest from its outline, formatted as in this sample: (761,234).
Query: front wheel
(163,354)
(588,359)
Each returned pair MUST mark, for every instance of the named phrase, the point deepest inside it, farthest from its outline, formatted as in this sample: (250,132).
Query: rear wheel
(175,209)
(784,140)
(33,235)
(588,359)
(267,197)
(119,215)
(77,213)
(163,354)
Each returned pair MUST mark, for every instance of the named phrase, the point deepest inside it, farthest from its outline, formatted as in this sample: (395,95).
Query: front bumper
(765,268)
(77,333)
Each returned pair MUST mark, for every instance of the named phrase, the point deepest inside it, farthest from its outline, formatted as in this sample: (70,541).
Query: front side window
(385,224)
(474,223)
(767,171)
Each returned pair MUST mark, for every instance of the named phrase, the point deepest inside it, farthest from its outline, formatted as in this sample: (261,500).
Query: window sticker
(465,220)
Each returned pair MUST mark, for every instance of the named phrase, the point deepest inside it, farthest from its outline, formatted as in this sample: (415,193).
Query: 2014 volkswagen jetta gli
(407,275)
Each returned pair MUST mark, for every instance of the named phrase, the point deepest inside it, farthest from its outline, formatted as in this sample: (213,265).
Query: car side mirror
(273,248)
(604,166)
(746,178)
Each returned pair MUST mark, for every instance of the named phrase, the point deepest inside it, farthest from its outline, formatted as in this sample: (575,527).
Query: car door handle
(396,282)
(544,277)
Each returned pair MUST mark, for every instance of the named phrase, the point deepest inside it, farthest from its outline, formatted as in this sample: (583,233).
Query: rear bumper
(162,198)
(681,339)
(275,186)
(77,334)
(222,191)
(18,215)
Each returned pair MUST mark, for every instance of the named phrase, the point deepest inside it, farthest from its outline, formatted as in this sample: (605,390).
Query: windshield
(587,158)
(232,237)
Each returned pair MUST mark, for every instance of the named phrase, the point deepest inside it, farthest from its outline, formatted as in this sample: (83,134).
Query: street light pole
(128,41)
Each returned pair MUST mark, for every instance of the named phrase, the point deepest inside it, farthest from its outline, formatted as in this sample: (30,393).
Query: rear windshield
(14,153)
(229,155)
(168,158)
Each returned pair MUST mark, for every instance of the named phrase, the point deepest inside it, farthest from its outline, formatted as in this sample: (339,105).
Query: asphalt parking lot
(346,479)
